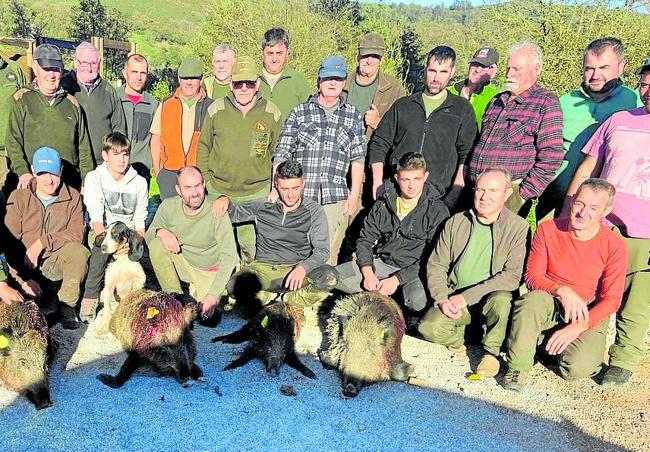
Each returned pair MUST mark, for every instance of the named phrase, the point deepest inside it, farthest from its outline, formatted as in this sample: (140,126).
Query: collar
(202,94)
(458,86)
(608,90)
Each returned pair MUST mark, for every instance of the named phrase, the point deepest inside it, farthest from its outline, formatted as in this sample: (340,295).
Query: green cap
(371,44)
(191,67)
(245,70)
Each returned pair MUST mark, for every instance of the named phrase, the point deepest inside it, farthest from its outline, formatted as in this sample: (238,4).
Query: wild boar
(153,327)
(362,339)
(24,352)
(273,334)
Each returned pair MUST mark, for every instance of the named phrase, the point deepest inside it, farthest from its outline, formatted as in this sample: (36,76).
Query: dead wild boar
(24,352)
(273,334)
(153,327)
(362,339)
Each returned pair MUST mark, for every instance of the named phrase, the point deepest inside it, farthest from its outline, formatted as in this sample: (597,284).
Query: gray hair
(534,49)
(597,185)
(500,170)
(275,36)
(222,48)
(85,45)
(598,46)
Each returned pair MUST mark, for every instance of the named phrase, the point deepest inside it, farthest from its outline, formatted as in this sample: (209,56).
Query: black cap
(485,56)
(48,56)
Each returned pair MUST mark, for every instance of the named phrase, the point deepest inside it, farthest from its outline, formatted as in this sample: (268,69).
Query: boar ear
(190,312)
(387,331)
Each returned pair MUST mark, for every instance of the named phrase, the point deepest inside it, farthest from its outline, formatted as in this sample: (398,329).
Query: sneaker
(88,310)
(68,317)
(515,380)
(615,376)
(488,367)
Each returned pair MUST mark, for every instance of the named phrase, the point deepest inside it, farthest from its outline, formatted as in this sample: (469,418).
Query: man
(45,223)
(396,235)
(370,90)
(218,84)
(325,134)
(292,244)
(478,87)
(98,99)
(12,79)
(139,107)
(575,276)
(281,85)
(618,152)
(48,116)
(176,126)
(440,126)
(237,139)
(599,96)
(477,263)
(187,243)
(522,130)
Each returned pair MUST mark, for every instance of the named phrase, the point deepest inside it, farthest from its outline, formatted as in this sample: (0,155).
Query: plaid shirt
(324,148)
(523,136)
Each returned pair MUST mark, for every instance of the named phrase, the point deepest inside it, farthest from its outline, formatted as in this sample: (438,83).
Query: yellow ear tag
(382,335)
(4,342)
(474,377)
(265,321)
(152,312)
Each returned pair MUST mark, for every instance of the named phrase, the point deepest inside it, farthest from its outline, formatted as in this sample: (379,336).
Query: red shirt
(595,268)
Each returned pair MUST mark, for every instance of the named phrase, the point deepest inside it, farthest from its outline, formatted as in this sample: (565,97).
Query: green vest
(289,91)
(11,80)
(479,100)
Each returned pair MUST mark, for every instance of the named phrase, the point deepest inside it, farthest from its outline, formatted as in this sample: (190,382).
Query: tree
(24,22)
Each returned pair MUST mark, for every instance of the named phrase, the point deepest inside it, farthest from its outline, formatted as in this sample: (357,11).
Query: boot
(68,317)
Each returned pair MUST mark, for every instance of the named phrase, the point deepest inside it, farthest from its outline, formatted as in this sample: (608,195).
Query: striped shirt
(325,148)
(524,136)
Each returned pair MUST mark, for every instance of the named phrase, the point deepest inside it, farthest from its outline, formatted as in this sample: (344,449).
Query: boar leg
(51,351)
(195,371)
(294,361)
(127,369)
(248,354)
(401,371)
(242,335)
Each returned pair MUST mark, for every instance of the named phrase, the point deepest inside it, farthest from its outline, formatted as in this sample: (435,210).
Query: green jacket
(479,99)
(292,89)
(214,89)
(11,80)
(234,152)
(509,237)
(138,122)
(34,122)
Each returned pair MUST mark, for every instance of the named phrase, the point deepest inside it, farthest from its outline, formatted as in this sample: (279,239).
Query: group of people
(263,182)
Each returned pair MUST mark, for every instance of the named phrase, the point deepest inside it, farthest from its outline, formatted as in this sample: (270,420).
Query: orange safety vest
(172,155)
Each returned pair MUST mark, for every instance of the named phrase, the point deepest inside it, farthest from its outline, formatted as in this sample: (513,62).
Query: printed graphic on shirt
(261,140)
(120,203)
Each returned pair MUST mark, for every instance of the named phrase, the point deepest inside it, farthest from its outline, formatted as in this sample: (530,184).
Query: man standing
(440,126)
(176,126)
(98,99)
(618,152)
(45,222)
(282,85)
(325,134)
(575,276)
(477,87)
(477,263)
(237,139)
(48,116)
(522,130)
(218,84)
(139,107)
(11,80)
(187,243)
(600,95)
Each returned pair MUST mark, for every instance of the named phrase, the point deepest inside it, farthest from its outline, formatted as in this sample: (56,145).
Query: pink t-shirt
(622,143)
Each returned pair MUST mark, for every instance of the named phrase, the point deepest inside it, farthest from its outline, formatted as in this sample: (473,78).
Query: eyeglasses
(87,64)
(247,83)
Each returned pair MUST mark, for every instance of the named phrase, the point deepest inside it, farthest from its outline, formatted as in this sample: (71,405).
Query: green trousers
(69,265)
(493,311)
(537,313)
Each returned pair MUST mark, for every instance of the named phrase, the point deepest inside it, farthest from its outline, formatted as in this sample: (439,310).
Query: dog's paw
(108,380)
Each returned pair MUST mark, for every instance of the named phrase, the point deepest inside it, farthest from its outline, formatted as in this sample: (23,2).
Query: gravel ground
(244,409)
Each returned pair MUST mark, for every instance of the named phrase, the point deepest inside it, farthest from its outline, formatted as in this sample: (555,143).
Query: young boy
(112,192)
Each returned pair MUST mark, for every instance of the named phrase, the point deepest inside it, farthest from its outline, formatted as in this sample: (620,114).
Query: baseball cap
(48,56)
(643,66)
(190,67)
(333,66)
(372,44)
(485,56)
(245,70)
(46,160)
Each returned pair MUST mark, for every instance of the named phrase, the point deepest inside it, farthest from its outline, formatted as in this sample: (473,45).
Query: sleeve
(466,134)
(245,212)
(118,120)
(15,138)
(287,139)
(94,197)
(358,145)
(86,158)
(369,235)
(156,123)
(74,232)
(596,147)
(141,208)
(550,150)
(14,248)
(535,275)
(319,240)
(159,221)
(440,261)
(381,140)
(612,284)
(204,146)
(224,235)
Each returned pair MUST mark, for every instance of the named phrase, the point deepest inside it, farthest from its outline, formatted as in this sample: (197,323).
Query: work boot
(515,380)
(88,309)
(68,317)
(460,348)
(488,367)
(615,376)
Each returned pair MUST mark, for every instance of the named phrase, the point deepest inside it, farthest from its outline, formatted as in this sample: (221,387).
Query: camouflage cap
(190,67)
(372,44)
(245,70)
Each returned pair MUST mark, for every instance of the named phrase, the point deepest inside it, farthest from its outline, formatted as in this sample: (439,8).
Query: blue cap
(333,66)
(46,160)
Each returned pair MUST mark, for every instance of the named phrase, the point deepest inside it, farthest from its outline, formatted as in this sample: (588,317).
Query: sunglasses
(247,83)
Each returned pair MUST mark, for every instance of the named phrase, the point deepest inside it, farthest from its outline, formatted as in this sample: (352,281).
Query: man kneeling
(576,275)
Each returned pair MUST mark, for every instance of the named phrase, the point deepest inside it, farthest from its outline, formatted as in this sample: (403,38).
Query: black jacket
(403,243)
(444,138)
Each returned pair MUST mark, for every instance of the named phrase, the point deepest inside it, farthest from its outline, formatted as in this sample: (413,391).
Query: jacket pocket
(141,125)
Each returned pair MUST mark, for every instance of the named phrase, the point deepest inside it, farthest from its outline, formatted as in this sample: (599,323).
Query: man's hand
(208,305)
(575,308)
(31,288)
(372,117)
(24,180)
(370,280)
(32,254)
(377,189)
(388,286)
(351,205)
(220,206)
(9,295)
(295,278)
(453,306)
(561,339)
(170,242)
(98,228)
(273,195)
